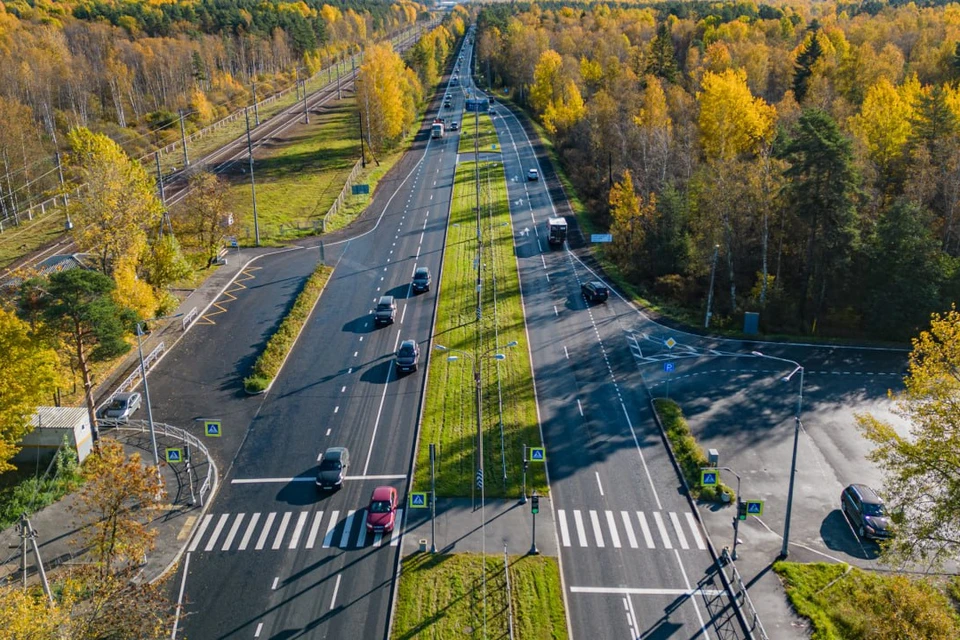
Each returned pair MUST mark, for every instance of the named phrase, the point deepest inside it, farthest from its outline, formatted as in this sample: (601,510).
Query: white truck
(556,231)
(436,131)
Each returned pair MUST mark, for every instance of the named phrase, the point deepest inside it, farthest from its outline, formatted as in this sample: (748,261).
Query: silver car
(121,408)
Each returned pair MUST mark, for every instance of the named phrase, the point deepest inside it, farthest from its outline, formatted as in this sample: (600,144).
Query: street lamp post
(146,387)
(784,550)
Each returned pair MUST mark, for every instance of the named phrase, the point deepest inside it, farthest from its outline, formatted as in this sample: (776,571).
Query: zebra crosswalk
(606,526)
(289,530)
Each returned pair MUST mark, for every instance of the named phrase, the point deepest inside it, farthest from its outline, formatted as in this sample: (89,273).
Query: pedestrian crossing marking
(564,531)
(314,529)
(676,525)
(662,528)
(233,531)
(345,537)
(696,530)
(614,535)
(284,521)
(267,524)
(328,538)
(647,536)
(395,536)
(363,530)
(298,529)
(628,526)
(581,532)
(249,532)
(597,533)
(377,538)
(203,528)
(216,532)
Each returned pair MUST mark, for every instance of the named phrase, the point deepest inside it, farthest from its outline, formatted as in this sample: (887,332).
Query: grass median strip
(689,455)
(267,366)
(488,135)
(441,596)
(449,416)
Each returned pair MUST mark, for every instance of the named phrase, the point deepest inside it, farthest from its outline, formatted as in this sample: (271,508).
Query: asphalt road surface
(273,558)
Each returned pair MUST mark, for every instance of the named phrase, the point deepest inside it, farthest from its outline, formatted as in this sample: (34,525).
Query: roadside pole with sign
(534,510)
(523,494)
(710,477)
(433,498)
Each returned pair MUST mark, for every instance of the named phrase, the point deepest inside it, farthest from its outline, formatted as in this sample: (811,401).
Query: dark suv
(595,292)
(865,511)
(421,280)
(386,310)
(408,356)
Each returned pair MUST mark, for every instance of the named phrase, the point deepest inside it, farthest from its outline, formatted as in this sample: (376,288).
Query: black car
(865,511)
(408,356)
(595,292)
(421,280)
(333,467)
(386,310)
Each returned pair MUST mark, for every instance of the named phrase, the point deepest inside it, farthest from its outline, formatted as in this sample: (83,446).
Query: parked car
(533,175)
(408,356)
(333,467)
(865,511)
(121,408)
(595,292)
(386,310)
(382,513)
(421,275)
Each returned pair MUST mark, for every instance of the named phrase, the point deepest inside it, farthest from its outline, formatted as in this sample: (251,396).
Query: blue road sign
(212,428)
(755,507)
(174,455)
(418,500)
(709,478)
(668,367)
(537,454)
(479,478)
(360,189)
(601,237)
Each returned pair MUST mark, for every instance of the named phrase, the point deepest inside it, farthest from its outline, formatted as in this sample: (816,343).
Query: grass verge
(441,596)
(267,366)
(449,415)
(488,135)
(26,491)
(846,603)
(689,455)
(15,242)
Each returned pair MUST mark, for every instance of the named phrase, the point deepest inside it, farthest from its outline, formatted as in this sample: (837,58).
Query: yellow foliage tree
(883,124)
(555,97)
(131,291)
(387,96)
(732,120)
(631,217)
(203,112)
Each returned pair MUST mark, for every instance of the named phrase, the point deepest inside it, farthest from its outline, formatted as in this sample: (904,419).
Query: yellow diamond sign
(671,343)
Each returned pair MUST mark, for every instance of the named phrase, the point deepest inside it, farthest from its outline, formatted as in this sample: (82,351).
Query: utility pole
(183,140)
(713,273)
(163,198)
(339,92)
(27,533)
(296,80)
(256,105)
(306,116)
(433,498)
(253,184)
(363,154)
(68,224)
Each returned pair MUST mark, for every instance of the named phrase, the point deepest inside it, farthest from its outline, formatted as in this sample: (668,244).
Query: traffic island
(281,343)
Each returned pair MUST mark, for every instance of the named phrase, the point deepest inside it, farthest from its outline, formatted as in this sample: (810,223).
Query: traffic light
(741,509)
(535,504)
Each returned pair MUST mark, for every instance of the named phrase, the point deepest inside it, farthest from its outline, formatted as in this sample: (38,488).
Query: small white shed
(50,425)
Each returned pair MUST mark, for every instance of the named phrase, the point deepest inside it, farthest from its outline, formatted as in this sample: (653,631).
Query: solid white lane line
(183,587)
(632,615)
(647,536)
(199,534)
(631,536)
(597,533)
(284,521)
(581,532)
(397,476)
(421,236)
(251,527)
(347,528)
(596,473)
(262,540)
(234,528)
(612,525)
(271,480)
(403,314)
(696,530)
(642,459)
(212,542)
(336,588)
(256,634)
(376,423)
(398,524)
(662,528)
(328,538)
(543,261)
(314,529)
(676,525)
(564,531)
(645,592)
(298,530)
(362,536)
(276,580)
(696,606)
(565,352)
(580,407)
(418,253)
(555,312)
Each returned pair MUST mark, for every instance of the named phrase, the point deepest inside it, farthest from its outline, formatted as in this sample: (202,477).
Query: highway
(272,558)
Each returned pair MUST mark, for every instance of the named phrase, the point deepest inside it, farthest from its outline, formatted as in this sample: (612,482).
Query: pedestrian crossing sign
(211,428)
(754,507)
(418,500)
(538,454)
(174,455)
(709,477)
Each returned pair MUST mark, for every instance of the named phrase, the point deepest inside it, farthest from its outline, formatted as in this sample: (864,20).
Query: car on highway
(333,468)
(386,310)
(454,126)
(382,512)
(866,513)
(121,407)
(421,275)
(533,175)
(594,291)
(408,356)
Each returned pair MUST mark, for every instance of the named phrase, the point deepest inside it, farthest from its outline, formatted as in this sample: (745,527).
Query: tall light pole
(146,387)
(784,550)
(713,273)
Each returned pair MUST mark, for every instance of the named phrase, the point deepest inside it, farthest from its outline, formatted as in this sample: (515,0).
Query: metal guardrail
(132,380)
(335,207)
(740,593)
(506,573)
(189,318)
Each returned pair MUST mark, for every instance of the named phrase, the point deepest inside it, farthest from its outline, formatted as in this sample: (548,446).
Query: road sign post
(174,455)
(212,428)
(710,477)
(186,447)
(523,494)
(668,368)
(534,510)
(433,498)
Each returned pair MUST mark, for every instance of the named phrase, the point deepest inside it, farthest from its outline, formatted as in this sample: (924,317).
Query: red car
(382,513)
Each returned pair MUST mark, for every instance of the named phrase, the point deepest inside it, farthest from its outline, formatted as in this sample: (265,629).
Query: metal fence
(338,203)
(742,596)
(132,380)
